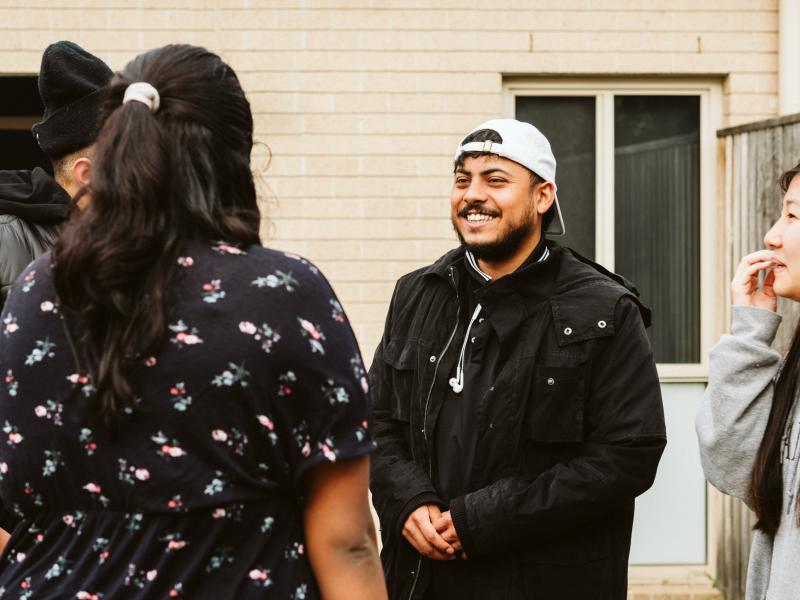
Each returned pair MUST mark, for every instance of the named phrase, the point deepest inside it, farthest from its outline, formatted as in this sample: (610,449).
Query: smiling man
(516,401)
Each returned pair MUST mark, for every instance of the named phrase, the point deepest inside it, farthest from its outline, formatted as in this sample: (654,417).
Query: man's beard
(504,246)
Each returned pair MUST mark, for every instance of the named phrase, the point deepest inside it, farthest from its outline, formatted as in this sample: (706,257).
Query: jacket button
(601,324)
(551,381)
(568,331)
(432,358)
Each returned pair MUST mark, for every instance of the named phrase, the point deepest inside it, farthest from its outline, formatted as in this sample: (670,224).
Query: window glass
(657,215)
(569,124)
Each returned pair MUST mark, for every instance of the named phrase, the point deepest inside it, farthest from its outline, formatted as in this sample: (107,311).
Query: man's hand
(445,527)
(420,533)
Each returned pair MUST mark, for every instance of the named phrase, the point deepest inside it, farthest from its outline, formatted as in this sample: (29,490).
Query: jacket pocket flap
(400,354)
(555,405)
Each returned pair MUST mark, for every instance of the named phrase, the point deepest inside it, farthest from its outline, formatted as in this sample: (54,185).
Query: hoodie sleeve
(735,408)
(16,254)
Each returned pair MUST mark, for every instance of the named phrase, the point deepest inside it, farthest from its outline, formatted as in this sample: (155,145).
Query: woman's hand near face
(744,287)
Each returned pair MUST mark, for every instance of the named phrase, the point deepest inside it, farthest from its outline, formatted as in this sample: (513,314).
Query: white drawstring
(457,382)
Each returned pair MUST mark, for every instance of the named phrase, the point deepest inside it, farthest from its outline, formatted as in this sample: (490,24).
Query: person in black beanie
(33,204)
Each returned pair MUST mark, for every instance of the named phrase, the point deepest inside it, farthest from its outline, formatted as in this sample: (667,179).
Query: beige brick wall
(362,101)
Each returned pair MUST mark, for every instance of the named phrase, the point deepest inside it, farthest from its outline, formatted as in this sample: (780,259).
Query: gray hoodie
(730,424)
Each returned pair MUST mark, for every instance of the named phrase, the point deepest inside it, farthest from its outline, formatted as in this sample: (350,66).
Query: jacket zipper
(425,414)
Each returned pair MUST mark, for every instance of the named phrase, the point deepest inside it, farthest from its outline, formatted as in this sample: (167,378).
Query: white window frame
(603,89)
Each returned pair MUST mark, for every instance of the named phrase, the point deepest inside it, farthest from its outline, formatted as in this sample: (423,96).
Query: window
(20,108)
(635,176)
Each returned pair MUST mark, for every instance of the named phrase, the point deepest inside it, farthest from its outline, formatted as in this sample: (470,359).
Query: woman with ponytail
(184,413)
(749,421)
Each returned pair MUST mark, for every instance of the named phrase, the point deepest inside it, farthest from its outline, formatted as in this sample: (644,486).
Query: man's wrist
(413,504)
(458,513)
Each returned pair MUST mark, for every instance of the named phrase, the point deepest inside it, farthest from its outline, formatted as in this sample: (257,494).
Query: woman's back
(196,490)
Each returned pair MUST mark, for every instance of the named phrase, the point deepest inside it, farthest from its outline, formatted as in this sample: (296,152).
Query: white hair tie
(142,92)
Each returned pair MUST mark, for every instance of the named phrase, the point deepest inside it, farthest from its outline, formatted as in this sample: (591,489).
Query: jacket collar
(510,300)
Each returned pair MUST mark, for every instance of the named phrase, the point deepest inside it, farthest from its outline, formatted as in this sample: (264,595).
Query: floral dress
(197,493)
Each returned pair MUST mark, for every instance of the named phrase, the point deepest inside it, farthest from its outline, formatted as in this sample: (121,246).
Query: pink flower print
(177,591)
(167,448)
(260,577)
(84,595)
(142,474)
(3,468)
(11,384)
(309,327)
(68,520)
(51,411)
(219,513)
(29,281)
(151,574)
(314,335)
(175,503)
(92,488)
(12,433)
(185,261)
(47,306)
(9,325)
(247,327)
(329,454)
(176,544)
(212,291)
(226,248)
(266,422)
(20,557)
(219,435)
(150,361)
(85,438)
(286,380)
(181,399)
(184,334)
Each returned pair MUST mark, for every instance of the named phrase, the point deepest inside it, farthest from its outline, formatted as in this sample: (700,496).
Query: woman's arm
(742,366)
(340,534)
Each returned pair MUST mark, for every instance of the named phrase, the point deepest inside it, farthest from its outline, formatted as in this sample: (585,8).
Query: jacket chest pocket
(555,404)
(401,361)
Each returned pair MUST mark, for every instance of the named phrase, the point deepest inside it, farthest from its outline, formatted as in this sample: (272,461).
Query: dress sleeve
(328,416)
(735,407)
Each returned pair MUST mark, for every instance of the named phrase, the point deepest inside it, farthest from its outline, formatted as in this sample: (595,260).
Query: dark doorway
(20,107)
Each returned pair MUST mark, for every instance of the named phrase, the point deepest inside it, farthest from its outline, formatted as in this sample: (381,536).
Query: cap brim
(556,225)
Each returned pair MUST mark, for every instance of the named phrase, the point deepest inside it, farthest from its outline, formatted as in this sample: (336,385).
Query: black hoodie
(32,208)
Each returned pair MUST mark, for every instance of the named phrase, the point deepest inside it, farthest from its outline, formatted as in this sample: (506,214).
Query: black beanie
(71,82)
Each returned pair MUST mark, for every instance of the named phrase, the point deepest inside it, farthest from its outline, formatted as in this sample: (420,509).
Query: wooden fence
(753,158)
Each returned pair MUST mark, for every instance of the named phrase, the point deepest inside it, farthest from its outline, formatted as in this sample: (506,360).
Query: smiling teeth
(478,218)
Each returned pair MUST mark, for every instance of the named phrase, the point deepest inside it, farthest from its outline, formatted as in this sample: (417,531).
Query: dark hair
(483,135)
(159,179)
(766,481)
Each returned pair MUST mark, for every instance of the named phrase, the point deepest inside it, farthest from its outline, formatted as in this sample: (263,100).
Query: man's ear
(544,195)
(81,171)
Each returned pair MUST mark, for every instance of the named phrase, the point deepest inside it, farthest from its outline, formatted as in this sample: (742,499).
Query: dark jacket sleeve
(399,484)
(624,439)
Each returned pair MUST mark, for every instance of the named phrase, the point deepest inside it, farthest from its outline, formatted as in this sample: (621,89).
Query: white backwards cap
(525,145)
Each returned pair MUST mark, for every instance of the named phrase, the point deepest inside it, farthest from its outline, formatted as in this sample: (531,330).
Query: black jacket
(32,208)
(574,433)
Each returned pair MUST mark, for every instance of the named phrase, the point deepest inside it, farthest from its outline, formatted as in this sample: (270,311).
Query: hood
(33,196)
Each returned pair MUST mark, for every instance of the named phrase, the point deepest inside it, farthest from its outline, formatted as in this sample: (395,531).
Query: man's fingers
(434,538)
(416,539)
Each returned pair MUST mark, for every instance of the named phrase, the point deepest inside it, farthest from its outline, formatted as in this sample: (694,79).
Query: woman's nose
(772,238)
